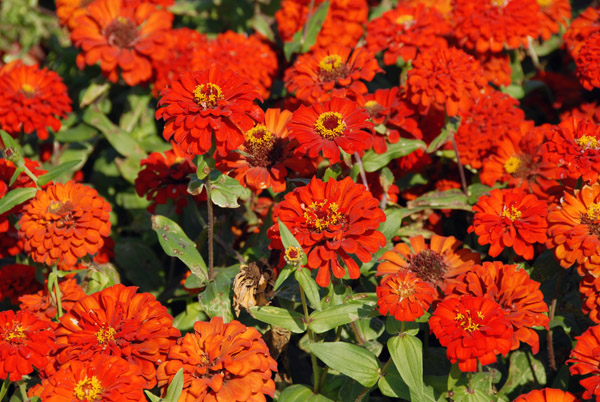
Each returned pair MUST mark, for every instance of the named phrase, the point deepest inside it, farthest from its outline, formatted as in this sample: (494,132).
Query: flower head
(547,395)
(44,305)
(587,62)
(404,296)
(585,360)
(553,14)
(585,25)
(17,280)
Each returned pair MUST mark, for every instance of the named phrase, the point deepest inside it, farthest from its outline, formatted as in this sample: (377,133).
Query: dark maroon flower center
(428,265)
(121,32)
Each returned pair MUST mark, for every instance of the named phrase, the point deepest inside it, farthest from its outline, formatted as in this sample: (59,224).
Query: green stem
(470,375)
(23,389)
(211,223)
(308,17)
(57,292)
(4,388)
(364,392)
(551,314)
(461,169)
(402,326)
(359,337)
(363,174)
(311,337)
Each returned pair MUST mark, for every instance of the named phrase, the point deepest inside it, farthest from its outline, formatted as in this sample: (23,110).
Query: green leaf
(514,90)
(373,161)
(139,263)
(56,172)
(453,376)
(548,46)
(407,354)
(462,394)
(152,397)
(314,25)
(226,191)
(524,368)
(392,385)
(291,320)
(449,199)
(293,46)
(102,277)
(476,190)
(138,102)
(4,389)
(80,133)
(175,243)
(215,300)
(260,25)
(333,172)
(334,316)
(309,286)
(288,240)
(283,275)
(8,140)
(351,360)
(439,141)
(185,320)
(300,393)
(175,387)
(392,223)
(16,197)
(93,92)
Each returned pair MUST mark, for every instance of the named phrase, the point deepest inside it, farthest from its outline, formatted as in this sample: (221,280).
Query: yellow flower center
(28,89)
(88,389)
(208,95)
(512,213)
(16,334)
(512,164)
(330,63)
(587,142)
(293,255)
(330,125)
(593,212)
(544,3)
(467,323)
(370,104)
(105,335)
(500,3)
(321,215)
(403,19)
(259,135)
(402,289)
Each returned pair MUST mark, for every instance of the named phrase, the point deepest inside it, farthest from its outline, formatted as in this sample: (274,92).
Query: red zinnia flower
(44,305)
(124,36)
(496,68)
(510,218)
(221,362)
(587,62)
(584,111)
(547,395)
(331,72)
(473,329)
(120,322)
(196,104)
(589,289)
(585,25)
(585,359)
(32,100)
(447,78)
(329,126)
(330,221)
(404,296)
(17,280)
(104,378)
(64,223)
(519,297)
(553,14)
(25,343)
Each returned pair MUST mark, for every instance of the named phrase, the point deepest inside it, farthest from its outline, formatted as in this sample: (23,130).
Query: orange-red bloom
(553,14)
(120,322)
(547,395)
(585,25)
(221,362)
(587,62)
(331,221)
(64,223)
(125,37)
(32,100)
(584,357)
(44,305)
(447,78)
(104,378)
(435,263)
(17,280)
(519,297)
(473,329)
(403,31)
(510,218)
(404,296)
(25,343)
(331,72)
(197,104)
(573,230)
(589,289)
(327,127)
(496,68)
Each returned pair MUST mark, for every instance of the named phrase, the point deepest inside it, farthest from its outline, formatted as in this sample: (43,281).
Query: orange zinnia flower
(496,68)
(587,61)
(331,221)
(510,218)
(104,378)
(589,289)
(492,25)
(17,280)
(447,78)
(331,72)
(472,329)
(403,31)
(584,111)
(124,36)
(64,223)
(435,263)
(329,126)
(573,229)
(120,322)
(44,305)
(553,14)
(32,100)
(224,362)
(404,296)
(585,25)
(197,104)
(519,297)
(25,343)
(547,395)
(584,357)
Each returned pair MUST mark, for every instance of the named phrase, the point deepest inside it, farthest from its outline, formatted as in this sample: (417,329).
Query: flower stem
(311,337)
(211,223)
(23,389)
(363,174)
(59,310)
(311,6)
(534,57)
(551,313)
(4,388)
(461,169)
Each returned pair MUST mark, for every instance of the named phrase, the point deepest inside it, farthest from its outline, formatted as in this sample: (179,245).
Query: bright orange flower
(403,31)
(327,127)
(443,6)
(553,14)
(496,68)
(331,221)
(197,104)
(447,78)
(120,322)
(492,25)
(587,61)
(44,305)
(104,378)
(584,357)
(519,297)
(331,72)
(510,218)
(17,280)
(584,111)
(404,296)
(547,395)
(472,329)
(25,343)
(32,100)
(124,36)
(435,263)
(585,25)
(574,229)
(64,223)
(221,362)
(573,147)
(589,289)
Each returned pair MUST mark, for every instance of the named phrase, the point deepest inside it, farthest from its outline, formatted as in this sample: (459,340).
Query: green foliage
(351,360)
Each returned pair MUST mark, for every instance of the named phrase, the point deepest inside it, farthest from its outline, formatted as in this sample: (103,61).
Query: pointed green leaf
(93,92)
(226,191)
(175,387)
(288,240)
(56,172)
(392,385)
(334,316)
(152,397)
(281,317)
(314,25)
(300,393)
(407,354)
(351,360)
(373,161)
(283,275)
(120,140)
(16,197)
(309,286)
